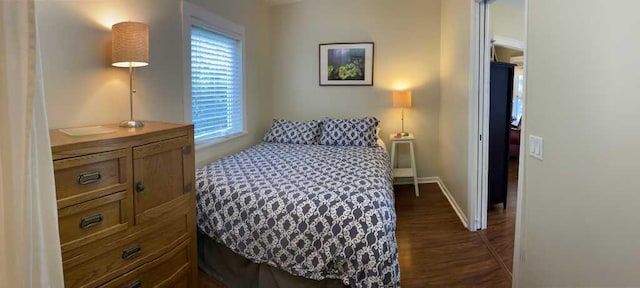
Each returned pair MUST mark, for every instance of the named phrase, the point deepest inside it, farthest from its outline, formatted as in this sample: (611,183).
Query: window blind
(216,84)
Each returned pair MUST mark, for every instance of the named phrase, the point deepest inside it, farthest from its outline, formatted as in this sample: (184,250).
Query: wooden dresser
(126,207)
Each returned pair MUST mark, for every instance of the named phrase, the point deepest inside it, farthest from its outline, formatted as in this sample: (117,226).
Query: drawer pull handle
(139,187)
(88,178)
(89,222)
(134,284)
(131,252)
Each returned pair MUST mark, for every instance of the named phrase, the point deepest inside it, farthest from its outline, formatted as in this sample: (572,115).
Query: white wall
(82,88)
(581,203)
(454,109)
(507,19)
(407,55)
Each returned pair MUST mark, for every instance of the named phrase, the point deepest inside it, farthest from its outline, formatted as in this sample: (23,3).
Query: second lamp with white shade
(402,99)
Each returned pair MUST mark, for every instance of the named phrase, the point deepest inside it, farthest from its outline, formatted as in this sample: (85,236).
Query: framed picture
(346,64)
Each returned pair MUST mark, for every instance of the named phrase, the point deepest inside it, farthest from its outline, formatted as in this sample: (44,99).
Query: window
(215,96)
(518,93)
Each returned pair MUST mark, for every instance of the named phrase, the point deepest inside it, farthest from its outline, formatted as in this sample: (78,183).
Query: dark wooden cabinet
(499,129)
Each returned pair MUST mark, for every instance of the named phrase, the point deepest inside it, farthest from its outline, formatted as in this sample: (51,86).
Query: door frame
(478,119)
(518,253)
(479,126)
(483,73)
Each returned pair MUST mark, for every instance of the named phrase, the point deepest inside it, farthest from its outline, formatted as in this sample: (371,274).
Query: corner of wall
(455,84)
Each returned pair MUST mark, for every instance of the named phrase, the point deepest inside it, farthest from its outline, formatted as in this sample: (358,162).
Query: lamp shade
(130,44)
(402,99)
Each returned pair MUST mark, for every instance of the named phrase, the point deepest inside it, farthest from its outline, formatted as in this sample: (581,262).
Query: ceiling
(516,3)
(280,2)
(513,3)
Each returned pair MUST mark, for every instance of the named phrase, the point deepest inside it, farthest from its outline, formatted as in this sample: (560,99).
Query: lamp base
(132,124)
(402,134)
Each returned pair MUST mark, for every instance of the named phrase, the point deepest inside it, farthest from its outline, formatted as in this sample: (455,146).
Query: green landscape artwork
(346,64)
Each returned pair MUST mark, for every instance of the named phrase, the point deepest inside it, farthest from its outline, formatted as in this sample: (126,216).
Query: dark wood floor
(435,249)
(501,222)
(206,281)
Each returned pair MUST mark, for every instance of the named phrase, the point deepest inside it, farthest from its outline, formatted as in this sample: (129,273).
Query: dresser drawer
(103,262)
(93,220)
(88,177)
(172,269)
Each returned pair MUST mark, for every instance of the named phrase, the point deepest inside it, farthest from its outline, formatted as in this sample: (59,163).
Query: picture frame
(346,64)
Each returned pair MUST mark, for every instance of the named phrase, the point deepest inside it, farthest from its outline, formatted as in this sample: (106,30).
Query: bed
(293,215)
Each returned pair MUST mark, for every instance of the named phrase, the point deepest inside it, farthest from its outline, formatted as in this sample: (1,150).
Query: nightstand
(404,172)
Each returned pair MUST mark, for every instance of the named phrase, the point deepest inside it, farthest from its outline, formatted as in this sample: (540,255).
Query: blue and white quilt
(314,211)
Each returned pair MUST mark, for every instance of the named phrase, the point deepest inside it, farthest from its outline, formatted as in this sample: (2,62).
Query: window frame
(194,15)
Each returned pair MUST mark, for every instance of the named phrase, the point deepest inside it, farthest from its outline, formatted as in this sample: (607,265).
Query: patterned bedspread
(314,211)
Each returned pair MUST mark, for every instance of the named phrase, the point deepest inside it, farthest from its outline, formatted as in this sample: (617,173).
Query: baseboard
(453,203)
(445,192)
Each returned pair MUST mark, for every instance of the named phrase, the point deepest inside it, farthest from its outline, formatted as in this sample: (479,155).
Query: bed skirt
(234,270)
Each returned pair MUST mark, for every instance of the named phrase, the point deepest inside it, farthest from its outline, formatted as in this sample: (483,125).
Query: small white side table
(404,172)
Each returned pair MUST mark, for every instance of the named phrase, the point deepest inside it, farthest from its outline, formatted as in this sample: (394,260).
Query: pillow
(292,132)
(349,132)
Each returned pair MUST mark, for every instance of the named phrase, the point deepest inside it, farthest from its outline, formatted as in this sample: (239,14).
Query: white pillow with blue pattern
(293,132)
(349,132)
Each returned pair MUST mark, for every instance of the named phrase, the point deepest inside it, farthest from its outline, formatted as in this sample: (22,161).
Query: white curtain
(29,242)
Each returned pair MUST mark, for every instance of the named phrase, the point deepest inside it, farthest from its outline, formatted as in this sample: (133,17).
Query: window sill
(212,142)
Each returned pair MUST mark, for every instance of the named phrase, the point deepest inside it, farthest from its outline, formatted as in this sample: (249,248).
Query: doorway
(501,81)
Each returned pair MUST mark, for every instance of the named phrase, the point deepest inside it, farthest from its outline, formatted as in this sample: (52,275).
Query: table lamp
(402,99)
(130,49)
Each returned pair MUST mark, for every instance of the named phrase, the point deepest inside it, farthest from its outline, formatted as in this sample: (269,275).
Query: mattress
(319,212)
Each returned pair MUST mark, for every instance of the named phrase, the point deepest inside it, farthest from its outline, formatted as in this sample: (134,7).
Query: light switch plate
(535,147)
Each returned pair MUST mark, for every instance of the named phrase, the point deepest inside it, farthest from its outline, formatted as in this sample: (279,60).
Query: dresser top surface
(59,139)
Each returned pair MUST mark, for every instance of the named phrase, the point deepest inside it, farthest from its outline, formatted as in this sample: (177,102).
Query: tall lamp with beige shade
(402,99)
(130,49)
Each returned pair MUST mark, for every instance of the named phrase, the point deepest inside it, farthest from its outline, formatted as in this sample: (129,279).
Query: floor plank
(206,281)
(435,249)
(501,222)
